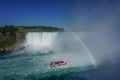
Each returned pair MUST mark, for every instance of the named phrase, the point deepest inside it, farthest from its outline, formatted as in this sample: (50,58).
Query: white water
(64,45)
(40,41)
(42,48)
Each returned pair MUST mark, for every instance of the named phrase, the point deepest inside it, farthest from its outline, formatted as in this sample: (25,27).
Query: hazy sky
(58,12)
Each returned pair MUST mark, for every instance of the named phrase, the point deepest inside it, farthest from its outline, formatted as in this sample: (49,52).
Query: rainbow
(86,48)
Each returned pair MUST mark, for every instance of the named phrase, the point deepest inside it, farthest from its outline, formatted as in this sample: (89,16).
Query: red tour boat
(57,63)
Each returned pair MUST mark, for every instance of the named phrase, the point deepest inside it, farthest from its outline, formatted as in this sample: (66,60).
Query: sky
(101,17)
(35,12)
(69,13)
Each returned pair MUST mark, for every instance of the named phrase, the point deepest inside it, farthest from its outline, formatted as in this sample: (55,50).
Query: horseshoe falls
(40,41)
(42,48)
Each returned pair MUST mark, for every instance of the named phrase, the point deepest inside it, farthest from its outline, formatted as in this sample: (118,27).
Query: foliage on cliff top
(8,35)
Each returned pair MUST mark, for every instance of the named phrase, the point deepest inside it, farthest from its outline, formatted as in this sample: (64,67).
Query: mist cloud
(101,21)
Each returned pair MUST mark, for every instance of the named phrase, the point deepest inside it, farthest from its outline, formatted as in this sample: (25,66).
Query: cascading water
(56,46)
(64,45)
(40,41)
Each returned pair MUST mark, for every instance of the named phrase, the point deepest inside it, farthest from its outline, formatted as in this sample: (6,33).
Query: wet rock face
(20,37)
(6,50)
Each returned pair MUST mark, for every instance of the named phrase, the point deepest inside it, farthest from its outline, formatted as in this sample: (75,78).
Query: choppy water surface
(22,65)
(33,62)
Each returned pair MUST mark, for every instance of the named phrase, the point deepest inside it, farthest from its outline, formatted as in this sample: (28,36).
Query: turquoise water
(42,48)
(33,63)
(26,66)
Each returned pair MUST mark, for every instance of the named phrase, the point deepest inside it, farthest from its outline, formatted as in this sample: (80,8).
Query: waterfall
(40,41)
(66,46)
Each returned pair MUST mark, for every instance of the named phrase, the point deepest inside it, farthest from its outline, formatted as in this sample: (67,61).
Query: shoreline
(10,35)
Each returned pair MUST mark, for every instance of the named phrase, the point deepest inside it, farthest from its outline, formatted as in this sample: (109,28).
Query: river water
(33,63)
